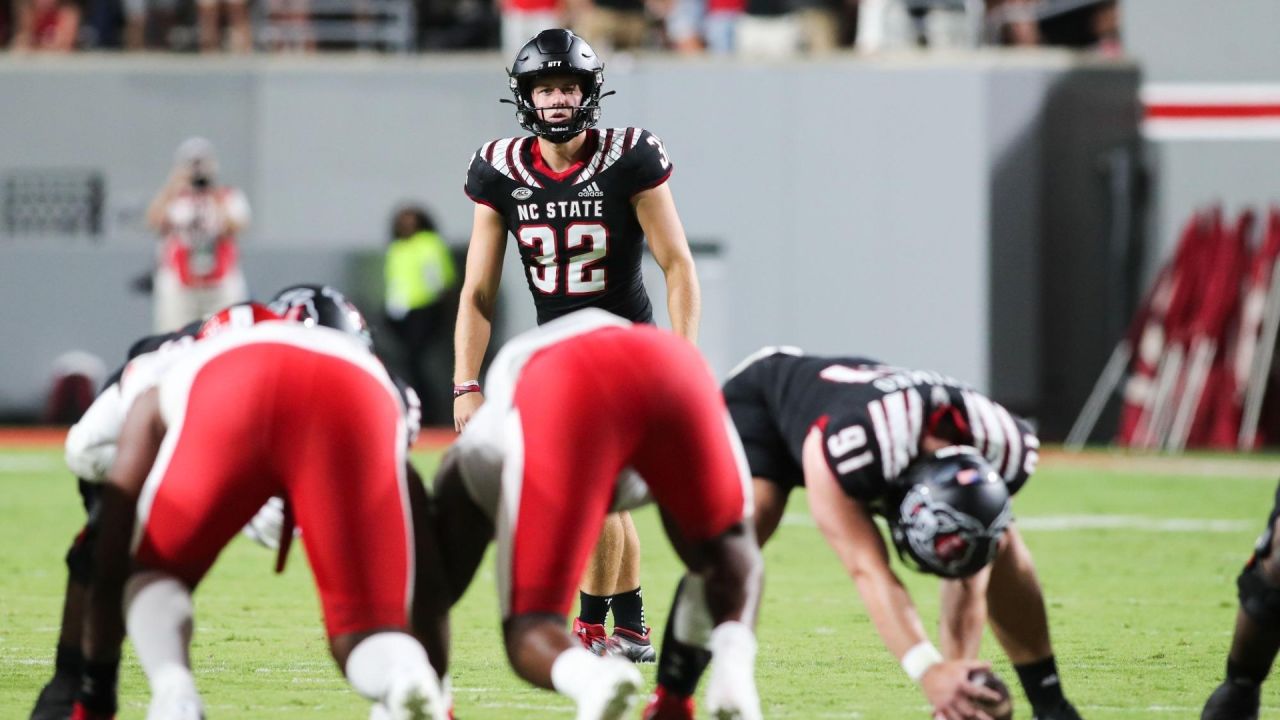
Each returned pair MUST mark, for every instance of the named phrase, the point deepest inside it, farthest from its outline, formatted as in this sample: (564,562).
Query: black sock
(68,661)
(594,608)
(1040,682)
(628,611)
(98,686)
(680,666)
(1243,675)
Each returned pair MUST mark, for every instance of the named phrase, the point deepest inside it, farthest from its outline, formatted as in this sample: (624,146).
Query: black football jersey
(872,416)
(579,239)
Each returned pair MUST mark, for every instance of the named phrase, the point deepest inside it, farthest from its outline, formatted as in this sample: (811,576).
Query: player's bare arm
(104,620)
(964,613)
(851,532)
(656,211)
(476,306)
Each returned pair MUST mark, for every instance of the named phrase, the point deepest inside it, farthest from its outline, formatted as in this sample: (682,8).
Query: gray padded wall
(869,207)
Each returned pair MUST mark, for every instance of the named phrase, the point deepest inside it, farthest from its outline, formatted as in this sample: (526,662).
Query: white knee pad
(692,622)
(159,620)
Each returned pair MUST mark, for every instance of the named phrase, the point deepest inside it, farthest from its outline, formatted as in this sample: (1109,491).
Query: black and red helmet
(321,305)
(556,52)
(953,510)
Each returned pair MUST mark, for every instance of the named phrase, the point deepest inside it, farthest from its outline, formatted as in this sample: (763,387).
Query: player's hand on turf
(950,692)
(464,406)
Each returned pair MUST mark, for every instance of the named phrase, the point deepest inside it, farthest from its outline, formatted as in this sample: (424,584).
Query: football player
(88,455)
(1257,635)
(581,203)
(939,462)
(314,418)
(645,402)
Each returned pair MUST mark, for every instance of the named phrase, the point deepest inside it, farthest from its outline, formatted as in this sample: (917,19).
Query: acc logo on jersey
(522,193)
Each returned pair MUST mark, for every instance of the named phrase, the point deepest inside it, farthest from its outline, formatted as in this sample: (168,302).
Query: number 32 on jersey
(585,247)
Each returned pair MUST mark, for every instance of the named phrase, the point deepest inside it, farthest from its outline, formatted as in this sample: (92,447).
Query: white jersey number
(583,277)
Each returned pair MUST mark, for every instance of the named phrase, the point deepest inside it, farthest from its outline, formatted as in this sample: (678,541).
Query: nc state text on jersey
(561,209)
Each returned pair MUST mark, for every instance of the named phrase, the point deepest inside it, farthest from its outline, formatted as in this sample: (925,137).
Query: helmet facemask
(584,117)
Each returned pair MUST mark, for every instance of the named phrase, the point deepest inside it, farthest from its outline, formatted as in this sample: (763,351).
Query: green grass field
(1137,557)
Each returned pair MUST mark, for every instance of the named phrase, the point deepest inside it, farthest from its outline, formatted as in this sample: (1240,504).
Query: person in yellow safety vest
(420,274)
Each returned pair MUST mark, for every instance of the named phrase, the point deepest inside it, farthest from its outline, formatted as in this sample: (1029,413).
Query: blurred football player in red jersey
(90,449)
(939,462)
(212,432)
(582,203)
(588,414)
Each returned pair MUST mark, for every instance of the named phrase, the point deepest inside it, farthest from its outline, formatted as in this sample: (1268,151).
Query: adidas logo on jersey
(591,190)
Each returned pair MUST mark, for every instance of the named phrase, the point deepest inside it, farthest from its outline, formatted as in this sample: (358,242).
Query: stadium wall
(934,211)
(1215,57)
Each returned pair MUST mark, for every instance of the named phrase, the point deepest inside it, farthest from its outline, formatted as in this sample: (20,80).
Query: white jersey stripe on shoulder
(898,408)
(630,140)
(1013,454)
(511,150)
(915,420)
(880,424)
(616,136)
(486,152)
(602,159)
(517,155)
(500,156)
(995,437)
(975,423)
(588,170)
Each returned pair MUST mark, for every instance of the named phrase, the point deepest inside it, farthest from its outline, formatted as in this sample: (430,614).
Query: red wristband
(464,388)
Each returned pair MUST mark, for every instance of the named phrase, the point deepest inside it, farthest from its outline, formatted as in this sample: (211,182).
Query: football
(1001,709)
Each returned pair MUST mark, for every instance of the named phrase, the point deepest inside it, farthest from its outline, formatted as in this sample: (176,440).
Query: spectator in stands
(198,220)
(819,24)
(142,15)
(696,25)
(609,25)
(209,15)
(291,29)
(769,29)
(420,276)
(523,19)
(46,25)
(897,24)
(1014,21)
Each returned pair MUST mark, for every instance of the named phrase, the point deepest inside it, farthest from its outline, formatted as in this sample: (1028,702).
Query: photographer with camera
(198,220)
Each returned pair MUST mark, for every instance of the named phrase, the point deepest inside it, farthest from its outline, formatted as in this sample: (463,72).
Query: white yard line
(29,463)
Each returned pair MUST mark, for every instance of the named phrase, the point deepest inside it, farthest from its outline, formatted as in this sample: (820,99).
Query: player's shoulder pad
(504,157)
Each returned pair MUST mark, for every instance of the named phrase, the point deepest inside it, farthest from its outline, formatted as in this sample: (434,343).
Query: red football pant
(585,409)
(275,419)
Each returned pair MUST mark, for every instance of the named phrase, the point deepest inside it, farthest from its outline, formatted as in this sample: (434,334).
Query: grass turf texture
(1141,616)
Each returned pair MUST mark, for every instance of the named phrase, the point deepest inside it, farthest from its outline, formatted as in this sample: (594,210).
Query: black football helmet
(954,508)
(321,305)
(556,52)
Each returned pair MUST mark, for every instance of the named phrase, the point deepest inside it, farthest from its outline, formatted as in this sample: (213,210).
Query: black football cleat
(56,698)
(1062,711)
(1233,702)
